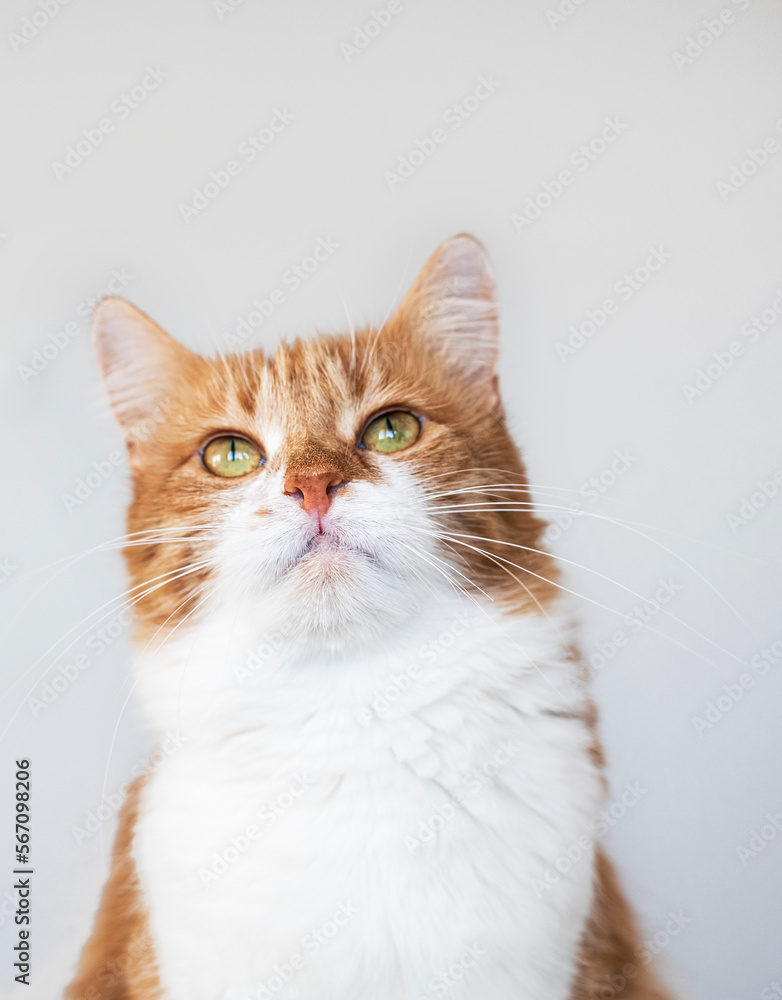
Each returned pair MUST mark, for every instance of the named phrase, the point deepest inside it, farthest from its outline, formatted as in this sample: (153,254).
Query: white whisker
(165,579)
(591,600)
(608,579)
(629,525)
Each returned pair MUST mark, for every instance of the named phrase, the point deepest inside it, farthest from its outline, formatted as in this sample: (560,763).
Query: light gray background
(692,462)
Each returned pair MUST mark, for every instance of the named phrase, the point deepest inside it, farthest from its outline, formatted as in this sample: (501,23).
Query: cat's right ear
(452,306)
(139,363)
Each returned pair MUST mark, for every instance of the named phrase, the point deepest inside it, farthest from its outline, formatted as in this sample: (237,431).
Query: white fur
(366,683)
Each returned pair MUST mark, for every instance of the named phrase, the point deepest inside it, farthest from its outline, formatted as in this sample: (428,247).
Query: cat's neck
(242,670)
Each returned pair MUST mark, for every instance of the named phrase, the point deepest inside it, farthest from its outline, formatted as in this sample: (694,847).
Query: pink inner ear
(453,304)
(138,361)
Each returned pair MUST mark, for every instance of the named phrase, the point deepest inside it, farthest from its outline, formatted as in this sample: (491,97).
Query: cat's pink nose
(313,491)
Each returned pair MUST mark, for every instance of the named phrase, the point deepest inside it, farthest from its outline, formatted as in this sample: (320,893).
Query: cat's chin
(340,594)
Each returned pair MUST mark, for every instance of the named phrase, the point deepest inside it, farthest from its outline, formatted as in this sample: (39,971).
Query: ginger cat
(343,607)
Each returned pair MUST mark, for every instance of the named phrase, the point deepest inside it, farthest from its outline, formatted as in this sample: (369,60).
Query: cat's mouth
(328,547)
(326,555)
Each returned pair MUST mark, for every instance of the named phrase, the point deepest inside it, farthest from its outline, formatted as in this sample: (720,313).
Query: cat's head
(341,485)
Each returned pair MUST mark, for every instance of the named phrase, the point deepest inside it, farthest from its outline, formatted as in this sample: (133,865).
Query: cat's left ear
(140,364)
(453,305)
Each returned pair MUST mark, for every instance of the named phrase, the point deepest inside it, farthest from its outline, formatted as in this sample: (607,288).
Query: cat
(386,773)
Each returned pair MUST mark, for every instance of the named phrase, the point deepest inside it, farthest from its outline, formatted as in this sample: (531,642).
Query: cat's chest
(368,860)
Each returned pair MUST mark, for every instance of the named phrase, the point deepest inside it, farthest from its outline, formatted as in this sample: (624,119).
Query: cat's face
(333,481)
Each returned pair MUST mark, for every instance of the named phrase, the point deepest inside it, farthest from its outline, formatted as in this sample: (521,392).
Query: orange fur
(118,960)
(610,966)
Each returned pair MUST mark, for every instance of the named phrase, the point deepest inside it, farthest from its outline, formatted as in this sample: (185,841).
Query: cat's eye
(391,431)
(231,456)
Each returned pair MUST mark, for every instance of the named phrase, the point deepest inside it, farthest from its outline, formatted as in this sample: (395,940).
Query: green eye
(392,432)
(232,456)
